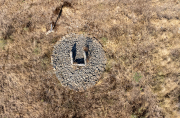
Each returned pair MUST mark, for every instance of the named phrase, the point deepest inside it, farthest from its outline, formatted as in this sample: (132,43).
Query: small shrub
(104,40)
(2,43)
(137,76)
(26,29)
(109,65)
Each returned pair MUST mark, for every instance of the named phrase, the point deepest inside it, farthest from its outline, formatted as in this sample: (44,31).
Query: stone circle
(78,61)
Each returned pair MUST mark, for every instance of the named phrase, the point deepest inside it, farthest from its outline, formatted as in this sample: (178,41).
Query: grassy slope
(141,40)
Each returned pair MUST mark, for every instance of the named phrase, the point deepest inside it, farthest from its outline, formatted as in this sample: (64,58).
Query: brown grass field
(141,39)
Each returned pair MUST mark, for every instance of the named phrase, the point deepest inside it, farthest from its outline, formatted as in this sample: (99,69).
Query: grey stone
(68,56)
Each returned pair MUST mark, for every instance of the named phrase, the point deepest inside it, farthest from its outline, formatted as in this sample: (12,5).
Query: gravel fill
(78,78)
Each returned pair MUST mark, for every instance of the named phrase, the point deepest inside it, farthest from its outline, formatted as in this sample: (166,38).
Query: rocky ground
(78,78)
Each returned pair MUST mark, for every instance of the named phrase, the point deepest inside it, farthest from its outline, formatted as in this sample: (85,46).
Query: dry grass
(141,41)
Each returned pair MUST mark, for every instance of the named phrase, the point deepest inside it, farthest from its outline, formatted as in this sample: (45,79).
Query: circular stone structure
(78,61)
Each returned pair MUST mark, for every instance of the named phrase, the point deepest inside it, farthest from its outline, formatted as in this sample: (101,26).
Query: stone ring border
(81,80)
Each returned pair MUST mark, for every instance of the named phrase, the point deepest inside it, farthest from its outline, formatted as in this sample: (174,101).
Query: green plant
(141,89)
(137,76)
(109,65)
(26,29)
(37,50)
(139,111)
(104,40)
(134,116)
(2,43)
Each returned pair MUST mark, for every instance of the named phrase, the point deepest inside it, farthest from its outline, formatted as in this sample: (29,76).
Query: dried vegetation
(141,41)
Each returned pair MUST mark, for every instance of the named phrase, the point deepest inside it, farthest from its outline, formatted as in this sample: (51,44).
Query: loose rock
(78,78)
